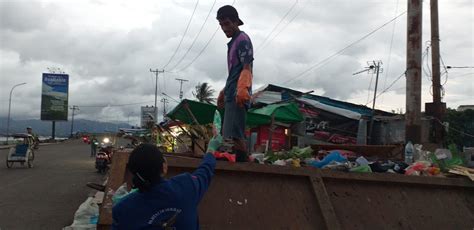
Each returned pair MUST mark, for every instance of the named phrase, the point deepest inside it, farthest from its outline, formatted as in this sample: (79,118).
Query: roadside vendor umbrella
(284,113)
(194,112)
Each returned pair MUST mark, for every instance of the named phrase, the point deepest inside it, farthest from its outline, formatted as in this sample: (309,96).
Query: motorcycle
(104,156)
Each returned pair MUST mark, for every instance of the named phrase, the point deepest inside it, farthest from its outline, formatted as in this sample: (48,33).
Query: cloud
(108,47)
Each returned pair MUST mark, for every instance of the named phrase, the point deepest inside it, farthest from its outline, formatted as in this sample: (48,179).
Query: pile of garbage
(417,161)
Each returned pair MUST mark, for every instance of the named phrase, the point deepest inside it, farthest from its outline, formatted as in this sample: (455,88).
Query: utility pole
(413,69)
(74,108)
(156,71)
(165,101)
(437,109)
(374,67)
(181,87)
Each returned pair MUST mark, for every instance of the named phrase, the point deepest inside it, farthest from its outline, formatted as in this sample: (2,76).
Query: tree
(203,93)
(461,128)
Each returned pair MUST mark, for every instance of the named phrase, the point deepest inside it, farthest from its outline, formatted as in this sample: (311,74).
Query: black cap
(228,12)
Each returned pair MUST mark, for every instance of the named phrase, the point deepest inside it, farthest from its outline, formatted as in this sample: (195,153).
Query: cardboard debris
(463,171)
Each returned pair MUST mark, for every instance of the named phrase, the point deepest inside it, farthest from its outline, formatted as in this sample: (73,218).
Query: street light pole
(9,107)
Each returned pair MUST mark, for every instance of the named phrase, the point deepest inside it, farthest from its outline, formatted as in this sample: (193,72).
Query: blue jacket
(178,196)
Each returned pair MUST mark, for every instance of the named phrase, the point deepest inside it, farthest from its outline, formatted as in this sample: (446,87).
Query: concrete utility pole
(165,101)
(74,108)
(377,69)
(436,109)
(9,107)
(413,82)
(156,71)
(181,87)
(373,67)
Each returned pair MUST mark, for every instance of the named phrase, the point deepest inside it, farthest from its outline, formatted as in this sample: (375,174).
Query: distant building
(332,121)
(462,108)
(147,115)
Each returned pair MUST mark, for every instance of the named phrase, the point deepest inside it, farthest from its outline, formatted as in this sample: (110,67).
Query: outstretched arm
(202,176)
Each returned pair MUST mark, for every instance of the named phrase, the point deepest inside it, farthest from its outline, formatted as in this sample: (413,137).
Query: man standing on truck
(235,97)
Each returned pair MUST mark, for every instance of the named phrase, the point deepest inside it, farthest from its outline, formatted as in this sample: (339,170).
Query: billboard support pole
(53,132)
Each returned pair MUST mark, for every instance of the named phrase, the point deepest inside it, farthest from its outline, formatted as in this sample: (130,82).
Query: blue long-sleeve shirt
(178,196)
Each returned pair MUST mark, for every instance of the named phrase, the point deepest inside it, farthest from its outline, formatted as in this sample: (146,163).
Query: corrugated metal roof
(361,109)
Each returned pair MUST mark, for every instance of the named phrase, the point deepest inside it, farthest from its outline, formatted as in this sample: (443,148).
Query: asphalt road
(47,195)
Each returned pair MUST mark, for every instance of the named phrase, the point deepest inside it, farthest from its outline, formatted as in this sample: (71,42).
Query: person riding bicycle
(29,130)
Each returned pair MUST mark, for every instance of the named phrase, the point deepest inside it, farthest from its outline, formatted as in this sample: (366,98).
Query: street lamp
(9,107)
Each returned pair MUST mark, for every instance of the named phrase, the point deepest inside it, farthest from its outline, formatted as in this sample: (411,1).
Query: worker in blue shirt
(161,203)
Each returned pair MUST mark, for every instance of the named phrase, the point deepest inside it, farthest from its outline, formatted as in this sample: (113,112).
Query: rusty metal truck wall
(388,205)
(252,196)
(268,197)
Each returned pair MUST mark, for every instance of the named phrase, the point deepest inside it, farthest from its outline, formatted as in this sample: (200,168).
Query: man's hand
(243,85)
(220,100)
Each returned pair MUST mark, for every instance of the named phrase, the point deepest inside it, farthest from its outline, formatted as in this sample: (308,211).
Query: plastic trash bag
(86,216)
(362,161)
(121,193)
(332,156)
(361,168)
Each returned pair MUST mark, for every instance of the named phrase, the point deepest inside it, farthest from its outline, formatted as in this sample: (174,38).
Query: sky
(109,46)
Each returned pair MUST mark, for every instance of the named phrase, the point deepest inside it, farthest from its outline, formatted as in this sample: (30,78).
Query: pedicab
(23,151)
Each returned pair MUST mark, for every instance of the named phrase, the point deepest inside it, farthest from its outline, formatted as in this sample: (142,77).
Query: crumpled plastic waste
(381,167)
(296,163)
(257,157)
(280,162)
(417,168)
(224,156)
(332,156)
(308,161)
(361,168)
(121,193)
(362,161)
(400,167)
(340,166)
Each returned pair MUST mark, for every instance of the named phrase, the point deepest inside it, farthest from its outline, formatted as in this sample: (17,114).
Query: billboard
(54,97)
(146,111)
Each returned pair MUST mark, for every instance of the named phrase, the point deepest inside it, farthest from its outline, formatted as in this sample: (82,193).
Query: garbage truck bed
(253,196)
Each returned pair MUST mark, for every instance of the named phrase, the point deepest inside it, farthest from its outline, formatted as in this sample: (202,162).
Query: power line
(390,86)
(342,50)
(202,50)
(459,67)
(117,105)
(184,35)
(387,69)
(195,38)
(278,24)
(284,27)
(456,130)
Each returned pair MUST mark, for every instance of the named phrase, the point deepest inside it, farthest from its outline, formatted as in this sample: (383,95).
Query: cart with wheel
(22,152)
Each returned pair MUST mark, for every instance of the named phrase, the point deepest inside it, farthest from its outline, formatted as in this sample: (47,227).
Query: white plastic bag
(86,216)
